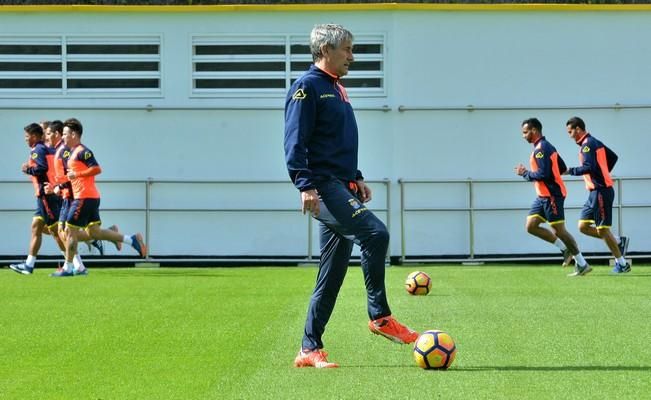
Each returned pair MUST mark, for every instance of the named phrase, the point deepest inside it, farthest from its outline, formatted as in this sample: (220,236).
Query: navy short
(549,209)
(47,208)
(598,209)
(83,213)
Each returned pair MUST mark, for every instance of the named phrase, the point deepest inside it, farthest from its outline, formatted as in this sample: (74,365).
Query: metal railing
(468,206)
(148,209)
(471,209)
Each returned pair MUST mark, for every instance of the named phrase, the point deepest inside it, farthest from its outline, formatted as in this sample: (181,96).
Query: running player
(597,213)
(83,212)
(47,204)
(54,135)
(546,169)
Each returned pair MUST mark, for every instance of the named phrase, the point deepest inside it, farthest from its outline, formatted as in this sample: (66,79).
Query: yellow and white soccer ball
(434,349)
(418,283)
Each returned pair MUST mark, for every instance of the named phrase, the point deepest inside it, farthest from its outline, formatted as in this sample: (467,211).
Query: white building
(183,107)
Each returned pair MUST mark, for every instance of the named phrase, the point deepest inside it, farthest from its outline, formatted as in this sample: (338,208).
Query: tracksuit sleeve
(300,117)
(544,165)
(589,164)
(39,158)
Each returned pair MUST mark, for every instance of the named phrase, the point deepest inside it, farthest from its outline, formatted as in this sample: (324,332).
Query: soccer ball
(434,349)
(418,283)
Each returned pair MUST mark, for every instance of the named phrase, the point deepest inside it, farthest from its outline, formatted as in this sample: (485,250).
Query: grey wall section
(509,65)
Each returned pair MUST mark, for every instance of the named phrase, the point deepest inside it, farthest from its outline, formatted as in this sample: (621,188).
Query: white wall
(509,64)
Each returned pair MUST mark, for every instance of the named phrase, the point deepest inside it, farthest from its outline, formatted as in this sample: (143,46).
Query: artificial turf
(522,332)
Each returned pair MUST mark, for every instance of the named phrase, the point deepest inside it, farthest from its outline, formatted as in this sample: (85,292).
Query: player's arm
(562,167)
(59,172)
(364,191)
(39,158)
(300,117)
(92,171)
(544,167)
(589,162)
(59,177)
(88,159)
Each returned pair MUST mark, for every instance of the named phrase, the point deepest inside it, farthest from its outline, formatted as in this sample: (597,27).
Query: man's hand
(24,167)
(310,200)
(71,175)
(364,191)
(520,169)
(47,188)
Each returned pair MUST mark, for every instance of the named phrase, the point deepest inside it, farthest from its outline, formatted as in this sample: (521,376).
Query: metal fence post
(402,220)
(148,184)
(387,188)
(620,213)
(471,219)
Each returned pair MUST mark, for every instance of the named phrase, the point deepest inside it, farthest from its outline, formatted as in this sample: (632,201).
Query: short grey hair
(332,35)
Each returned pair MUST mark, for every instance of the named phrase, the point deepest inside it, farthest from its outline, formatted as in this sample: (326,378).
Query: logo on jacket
(87,155)
(539,154)
(357,207)
(354,203)
(299,94)
(34,156)
(585,149)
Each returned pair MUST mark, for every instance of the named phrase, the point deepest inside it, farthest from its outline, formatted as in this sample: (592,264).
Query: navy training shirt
(320,131)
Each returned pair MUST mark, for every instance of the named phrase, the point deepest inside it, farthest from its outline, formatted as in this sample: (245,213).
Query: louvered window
(76,65)
(225,66)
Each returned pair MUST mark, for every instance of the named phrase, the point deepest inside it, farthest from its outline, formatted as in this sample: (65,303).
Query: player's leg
(27,267)
(113,235)
(603,222)
(607,236)
(545,210)
(566,237)
(54,231)
(52,206)
(38,224)
(76,219)
(72,241)
(533,228)
(345,213)
(589,212)
(621,266)
(562,233)
(536,217)
(554,212)
(333,264)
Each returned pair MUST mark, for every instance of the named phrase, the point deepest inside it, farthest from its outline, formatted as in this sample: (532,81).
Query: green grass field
(232,333)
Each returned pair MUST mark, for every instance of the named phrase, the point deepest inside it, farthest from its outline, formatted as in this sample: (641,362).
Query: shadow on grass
(554,368)
(517,368)
(624,276)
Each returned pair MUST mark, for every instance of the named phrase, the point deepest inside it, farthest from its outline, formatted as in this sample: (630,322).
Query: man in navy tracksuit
(321,155)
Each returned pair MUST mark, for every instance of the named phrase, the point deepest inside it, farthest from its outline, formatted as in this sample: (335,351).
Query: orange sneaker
(393,330)
(314,358)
